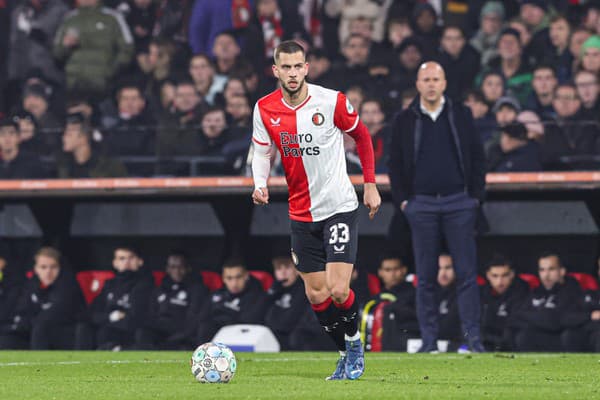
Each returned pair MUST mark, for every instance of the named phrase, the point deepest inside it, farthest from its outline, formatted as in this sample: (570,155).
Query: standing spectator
(175,306)
(95,44)
(131,131)
(241,301)
(286,301)
(208,84)
(541,320)
(544,83)
(372,115)
(588,91)
(568,134)
(16,164)
(49,308)
(459,60)
(140,16)
(209,18)
(558,53)
(590,54)
(501,296)
(490,24)
(439,184)
(516,153)
(81,159)
(32,30)
(122,306)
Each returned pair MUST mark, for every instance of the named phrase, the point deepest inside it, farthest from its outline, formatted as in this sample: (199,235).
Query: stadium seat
(373,284)
(265,278)
(532,280)
(586,281)
(212,280)
(92,282)
(158,277)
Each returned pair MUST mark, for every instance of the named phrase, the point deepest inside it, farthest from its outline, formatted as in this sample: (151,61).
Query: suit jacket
(406,137)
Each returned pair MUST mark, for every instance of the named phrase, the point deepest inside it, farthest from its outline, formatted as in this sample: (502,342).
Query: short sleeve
(259,132)
(345,116)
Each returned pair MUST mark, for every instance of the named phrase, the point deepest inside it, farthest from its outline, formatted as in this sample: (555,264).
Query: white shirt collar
(435,113)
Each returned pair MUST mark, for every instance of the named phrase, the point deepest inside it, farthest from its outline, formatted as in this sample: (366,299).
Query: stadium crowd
(110,88)
(114,88)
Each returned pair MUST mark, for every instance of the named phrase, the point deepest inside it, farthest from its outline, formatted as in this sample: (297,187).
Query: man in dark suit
(437,176)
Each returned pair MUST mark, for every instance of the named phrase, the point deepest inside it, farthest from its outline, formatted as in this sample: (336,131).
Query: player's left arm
(346,118)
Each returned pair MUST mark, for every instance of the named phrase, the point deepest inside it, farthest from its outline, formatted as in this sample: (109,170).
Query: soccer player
(307,122)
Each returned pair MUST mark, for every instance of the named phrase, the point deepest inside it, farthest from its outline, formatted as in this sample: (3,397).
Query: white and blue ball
(213,363)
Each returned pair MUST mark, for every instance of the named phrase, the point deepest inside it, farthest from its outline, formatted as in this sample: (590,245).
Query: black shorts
(315,244)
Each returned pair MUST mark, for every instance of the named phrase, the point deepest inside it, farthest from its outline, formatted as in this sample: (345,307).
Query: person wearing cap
(511,64)
(506,110)
(515,152)
(490,24)
(36,100)
(568,134)
(590,54)
(437,177)
(16,164)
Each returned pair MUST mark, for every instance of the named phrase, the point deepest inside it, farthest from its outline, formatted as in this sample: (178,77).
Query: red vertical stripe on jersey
(295,174)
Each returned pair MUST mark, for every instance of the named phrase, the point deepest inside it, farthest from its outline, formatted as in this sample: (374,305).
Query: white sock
(353,338)
(342,353)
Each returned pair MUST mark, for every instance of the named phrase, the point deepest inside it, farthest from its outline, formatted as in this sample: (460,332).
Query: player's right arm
(261,160)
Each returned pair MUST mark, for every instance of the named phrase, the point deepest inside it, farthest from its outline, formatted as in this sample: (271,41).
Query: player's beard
(293,92)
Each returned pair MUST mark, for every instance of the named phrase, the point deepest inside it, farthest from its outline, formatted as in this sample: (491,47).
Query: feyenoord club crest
(318,119)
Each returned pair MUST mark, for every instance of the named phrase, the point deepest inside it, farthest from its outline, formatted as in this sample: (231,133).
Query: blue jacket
(208,19)
(404,146)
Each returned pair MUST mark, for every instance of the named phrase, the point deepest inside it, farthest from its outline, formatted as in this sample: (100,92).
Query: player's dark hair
(391,255)
(499,260)
(288,47)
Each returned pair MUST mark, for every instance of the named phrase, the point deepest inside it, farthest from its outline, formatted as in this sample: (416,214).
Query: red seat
(373,284)
(211,280)
(586,281)
(532,280)
(265,278)
(158,277)
(92,282)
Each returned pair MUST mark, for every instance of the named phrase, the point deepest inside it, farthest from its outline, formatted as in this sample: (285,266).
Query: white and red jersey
(310,140)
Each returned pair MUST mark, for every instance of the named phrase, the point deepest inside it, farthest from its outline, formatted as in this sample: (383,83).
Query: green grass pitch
(166,375)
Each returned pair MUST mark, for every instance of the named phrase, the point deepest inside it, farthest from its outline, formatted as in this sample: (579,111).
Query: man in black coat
(241,301)
(16,164)
(500,297)
(10,292)
(175,307)
(50,306)
(437,177)
(515,153)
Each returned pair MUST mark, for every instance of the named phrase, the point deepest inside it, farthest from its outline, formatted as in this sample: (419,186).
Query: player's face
(47,269)
(391,272)
(500,277)
(431,82)
(550,271)
(291,70)
(446,271)
(235,279)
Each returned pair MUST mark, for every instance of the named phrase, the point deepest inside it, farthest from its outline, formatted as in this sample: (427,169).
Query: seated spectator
(155,66)
(398,29)
(372,115)
(426,28)
(588,91)
(506,110)
(540,322)
(590,54)
(286,301)
(49,308)
(516,152)
(459,60)
(179,128)
(568,134)
(352,70)
(30,140)
(534,15)
(558,53)
(409,56)
(11,286)
(239,113)
(14,163)
(36,99)
(578,38)
(448,317)
(500,297)
(130,131)
(483,119)
(122,306)
(241,301)
(81,159)
(175,306)
(226,51)
(492,87)
(207,83)
(544,83)
(484,41)
(93,57)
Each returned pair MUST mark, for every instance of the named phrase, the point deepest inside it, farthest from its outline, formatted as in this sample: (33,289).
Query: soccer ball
(213,363)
